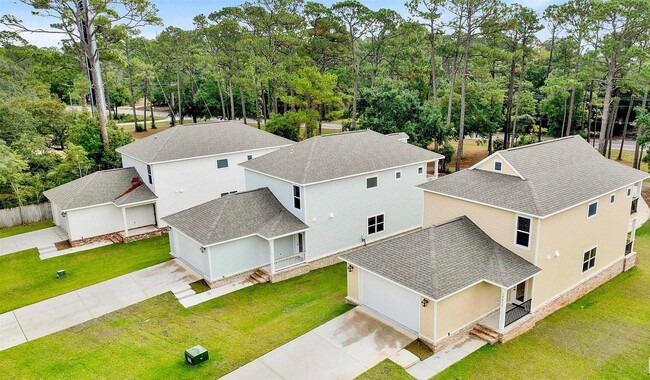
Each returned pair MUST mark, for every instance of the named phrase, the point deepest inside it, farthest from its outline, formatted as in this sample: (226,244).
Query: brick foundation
(230,279)
(147,235)
(117,237)
(629,261)
(288,273)
(449,340)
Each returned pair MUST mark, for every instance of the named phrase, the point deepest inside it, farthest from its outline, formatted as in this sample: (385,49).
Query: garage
(387,298)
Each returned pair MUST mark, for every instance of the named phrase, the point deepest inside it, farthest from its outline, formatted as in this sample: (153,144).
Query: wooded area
(438,70)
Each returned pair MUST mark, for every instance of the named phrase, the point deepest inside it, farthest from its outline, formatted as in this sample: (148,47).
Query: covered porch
(286,252)
(515,304)
(138,218)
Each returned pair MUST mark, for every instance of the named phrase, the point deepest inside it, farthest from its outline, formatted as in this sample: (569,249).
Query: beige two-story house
(505,243)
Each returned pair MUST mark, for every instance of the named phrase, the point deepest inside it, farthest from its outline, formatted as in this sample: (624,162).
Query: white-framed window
(522,235)
(296,197)
(498,165)
(398,174)
(629,192)
(249,157)
(420,170)
(592,209)
(149,174)
(222,164)
(371,182)
(228,192)
(589,259)
(612,199)
(375,224)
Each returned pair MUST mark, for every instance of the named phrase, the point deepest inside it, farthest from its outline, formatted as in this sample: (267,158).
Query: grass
(419,349)
(147,340)
(385,370)
(603,335)
(27,279)
(627,158)
(23,228)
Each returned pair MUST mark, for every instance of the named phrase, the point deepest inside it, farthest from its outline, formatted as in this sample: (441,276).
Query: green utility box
(60,273)
(196,355)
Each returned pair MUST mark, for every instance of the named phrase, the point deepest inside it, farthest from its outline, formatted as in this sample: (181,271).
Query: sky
(179,13)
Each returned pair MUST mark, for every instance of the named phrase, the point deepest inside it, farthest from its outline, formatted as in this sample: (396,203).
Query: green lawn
(21,229)
(147,340)
(26,279)
(386,370)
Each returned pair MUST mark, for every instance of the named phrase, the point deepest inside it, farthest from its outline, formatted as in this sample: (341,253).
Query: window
(522,238)
(375,224)
(629,192)
(371,182)
(592,210)
(296,197)
(497,165)
(249,157)
(398,175)
(612,199)
(223,163)
(589,260)
(226,193)
(149,173)
(420,170)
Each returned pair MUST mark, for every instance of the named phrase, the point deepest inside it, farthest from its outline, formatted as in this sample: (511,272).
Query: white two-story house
(349,189)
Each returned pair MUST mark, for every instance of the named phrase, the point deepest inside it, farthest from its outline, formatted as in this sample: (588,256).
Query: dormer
(496,163)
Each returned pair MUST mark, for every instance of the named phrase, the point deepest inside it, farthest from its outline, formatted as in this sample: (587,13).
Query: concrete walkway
(441,360)
(214,293)
(40,238)
(342,348)
(70,309)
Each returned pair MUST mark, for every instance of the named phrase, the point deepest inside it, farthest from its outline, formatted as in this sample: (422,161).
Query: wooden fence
(27,214)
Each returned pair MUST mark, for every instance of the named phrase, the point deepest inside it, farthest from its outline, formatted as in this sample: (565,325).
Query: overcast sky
(180,13)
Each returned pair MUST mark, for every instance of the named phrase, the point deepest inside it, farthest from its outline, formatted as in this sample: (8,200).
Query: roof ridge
(91,178)
(539,143)
(309,159)
(172,131)
(226,204)
(450,221)
(343,133)
(433,255)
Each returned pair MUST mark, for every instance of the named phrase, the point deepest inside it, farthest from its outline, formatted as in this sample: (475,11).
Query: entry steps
(183,292)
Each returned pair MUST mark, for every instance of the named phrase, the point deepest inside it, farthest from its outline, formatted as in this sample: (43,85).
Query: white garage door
(393,301)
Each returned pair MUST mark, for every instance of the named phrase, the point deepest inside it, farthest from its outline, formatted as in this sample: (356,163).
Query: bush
(526,140)
(497,144)
(139,128)
(446,150)
(334,115)
(287,125)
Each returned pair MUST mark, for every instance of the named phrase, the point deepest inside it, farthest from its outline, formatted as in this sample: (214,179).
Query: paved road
(70,309)
(342,348)
(40,238)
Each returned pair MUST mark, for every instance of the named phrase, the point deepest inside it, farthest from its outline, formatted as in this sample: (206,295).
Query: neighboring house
(235,234)
(105,204)
(191,164)
(350,189)
(566,210)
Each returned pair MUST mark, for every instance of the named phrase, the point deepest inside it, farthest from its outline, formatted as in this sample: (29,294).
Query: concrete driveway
(40,238)
(342,348)
(70,309)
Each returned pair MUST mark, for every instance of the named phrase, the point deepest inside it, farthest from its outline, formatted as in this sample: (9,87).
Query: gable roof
(118,186)
(197,140)
(557,175)
(441,260)
(234,216)
(338,155)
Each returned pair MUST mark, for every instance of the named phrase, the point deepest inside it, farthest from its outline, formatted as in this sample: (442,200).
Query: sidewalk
(70,309)
(40,238)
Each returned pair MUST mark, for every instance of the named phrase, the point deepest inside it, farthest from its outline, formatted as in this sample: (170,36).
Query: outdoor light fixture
(63,213)
(425,302)
(350,268)
(202,249)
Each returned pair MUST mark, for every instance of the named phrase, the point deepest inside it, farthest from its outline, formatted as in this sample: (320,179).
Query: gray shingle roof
(558,174)
(235,216)
(118,186)
(327,157)
(196,140)
(441,260)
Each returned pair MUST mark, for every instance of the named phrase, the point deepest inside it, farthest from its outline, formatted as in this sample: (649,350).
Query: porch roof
(441,260)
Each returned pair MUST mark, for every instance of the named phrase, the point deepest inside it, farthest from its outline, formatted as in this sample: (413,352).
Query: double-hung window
(498,165)
(296,197)
(222,164)
(371,182)
(375,224)
(522,237)
(592,209)
(149,174)
(589,259)
(398,175)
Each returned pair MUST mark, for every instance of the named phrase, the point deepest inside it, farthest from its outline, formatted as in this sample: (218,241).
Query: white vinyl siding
(140,216)
(238,256)
(189,251)
(282,190)
(389,299)
(140,167)
(94,221)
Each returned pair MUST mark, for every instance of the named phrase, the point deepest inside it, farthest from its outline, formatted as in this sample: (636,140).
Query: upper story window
(296,197)
(589,260)
(522,237)
(249,157)
(629,192)
(149,174)
(371,182)
(420,170)
(592,210)
(375,224)
(612,199)
(398,175)
(226,193)
(498,165)
(223,163)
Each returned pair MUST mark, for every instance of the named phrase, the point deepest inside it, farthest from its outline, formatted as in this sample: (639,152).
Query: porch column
(435,170)
(502,309)
(126,226)
(272,250)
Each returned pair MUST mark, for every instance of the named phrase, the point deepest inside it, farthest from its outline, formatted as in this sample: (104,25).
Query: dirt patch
(199,286)
(419,349)
(60,246)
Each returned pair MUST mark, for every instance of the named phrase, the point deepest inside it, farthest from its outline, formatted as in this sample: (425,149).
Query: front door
(301,247)
(521,292)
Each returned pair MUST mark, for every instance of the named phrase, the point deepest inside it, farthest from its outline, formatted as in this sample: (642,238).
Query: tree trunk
(639,130)
(355,94)
(265,111)
(627,119)
(153,120)
(434,90)
(232,99)
(604,118)
(131,92)
(144,112)
(257,101)
(461,123)
(223,104)
(589,112)
(511,90)
(569,120)
(320,118)
(98,85)
(611,128)
(172,114)
(243,104)
(178,91)
(520,86)
(564,117)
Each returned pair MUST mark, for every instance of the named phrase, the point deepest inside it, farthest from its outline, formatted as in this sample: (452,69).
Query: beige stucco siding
(488,165)
(570,234)
(499,224)
(427,319)
(460,309)
(353,284)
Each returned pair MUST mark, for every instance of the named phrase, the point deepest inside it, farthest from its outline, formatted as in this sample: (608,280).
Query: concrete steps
(485,334)
(46,249)
(260,277)
(183,292)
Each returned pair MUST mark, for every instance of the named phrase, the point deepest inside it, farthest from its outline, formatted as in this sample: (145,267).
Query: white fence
(27,214)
